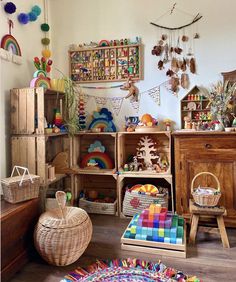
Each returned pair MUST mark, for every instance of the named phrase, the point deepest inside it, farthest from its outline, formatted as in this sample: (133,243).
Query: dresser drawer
(208,143)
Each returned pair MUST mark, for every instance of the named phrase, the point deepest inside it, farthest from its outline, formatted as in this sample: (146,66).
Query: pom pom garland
(10,8)
(23,18)
(46,53)
(32,16)
(45,27)
(45,41)
(37,10)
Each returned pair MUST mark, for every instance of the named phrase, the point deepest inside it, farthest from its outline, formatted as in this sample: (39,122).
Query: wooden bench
(217,212)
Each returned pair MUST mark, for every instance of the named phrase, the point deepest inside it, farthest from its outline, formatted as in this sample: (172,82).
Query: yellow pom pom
(46,53)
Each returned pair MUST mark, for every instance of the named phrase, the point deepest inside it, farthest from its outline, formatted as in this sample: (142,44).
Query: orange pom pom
(46,53)
(146,118)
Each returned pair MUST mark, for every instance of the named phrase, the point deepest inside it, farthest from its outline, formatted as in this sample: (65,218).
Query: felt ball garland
(36,9)
(23,18)
(10,8)
(45,41)
(45,27)
(32,16)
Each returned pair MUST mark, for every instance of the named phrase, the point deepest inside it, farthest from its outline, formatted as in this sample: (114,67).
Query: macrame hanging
(175,49)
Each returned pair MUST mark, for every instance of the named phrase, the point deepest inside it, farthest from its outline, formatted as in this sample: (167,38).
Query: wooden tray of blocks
(156,231)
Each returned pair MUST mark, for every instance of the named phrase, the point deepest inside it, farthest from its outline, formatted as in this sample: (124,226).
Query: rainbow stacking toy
(155,228)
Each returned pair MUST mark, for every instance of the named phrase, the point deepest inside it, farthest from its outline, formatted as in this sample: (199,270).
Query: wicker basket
(99,208)
(62,235)
(20,188)
(134,201)
(206,200)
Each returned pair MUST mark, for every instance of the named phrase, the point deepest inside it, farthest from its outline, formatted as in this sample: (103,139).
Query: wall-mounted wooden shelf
(106,64)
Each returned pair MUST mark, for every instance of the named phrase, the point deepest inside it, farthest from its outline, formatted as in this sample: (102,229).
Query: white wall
(12,75)
(78,21)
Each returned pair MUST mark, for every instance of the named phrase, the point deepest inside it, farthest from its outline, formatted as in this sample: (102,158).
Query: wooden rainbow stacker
(156,231)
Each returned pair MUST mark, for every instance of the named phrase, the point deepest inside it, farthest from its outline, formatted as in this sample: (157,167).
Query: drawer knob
(208,146)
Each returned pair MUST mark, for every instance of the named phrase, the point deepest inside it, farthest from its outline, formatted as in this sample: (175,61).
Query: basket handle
(61,201)
(25,170)
(206,172)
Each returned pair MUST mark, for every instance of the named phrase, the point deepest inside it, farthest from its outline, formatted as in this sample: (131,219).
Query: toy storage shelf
(30,107)
(193,104)
(124,180)
(104,184)
(127,144)
(106,64)
(81,143)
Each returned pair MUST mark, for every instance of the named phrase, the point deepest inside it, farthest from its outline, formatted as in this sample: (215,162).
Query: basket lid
(17,179)
(73,216)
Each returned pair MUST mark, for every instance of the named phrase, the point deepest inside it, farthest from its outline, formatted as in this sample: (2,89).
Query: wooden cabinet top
(203,133)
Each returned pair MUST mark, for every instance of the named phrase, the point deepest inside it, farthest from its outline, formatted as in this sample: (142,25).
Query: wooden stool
(217,212)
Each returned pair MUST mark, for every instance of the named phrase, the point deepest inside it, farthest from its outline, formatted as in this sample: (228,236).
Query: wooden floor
(208,260)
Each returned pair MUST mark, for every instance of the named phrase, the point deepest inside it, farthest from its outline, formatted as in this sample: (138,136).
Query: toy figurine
(133,90)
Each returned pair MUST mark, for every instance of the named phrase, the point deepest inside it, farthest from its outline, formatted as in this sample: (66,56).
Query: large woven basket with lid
(62,235)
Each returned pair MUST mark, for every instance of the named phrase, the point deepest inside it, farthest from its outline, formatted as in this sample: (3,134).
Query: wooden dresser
(17,225)
(215,152)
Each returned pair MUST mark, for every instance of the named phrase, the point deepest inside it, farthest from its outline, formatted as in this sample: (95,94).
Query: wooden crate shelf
(104,184)
(124,179)
(30,107)
(36,152)
(81,143)
(127,144)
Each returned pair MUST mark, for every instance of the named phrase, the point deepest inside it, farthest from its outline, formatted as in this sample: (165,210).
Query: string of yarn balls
(45,41)
(23,18)
(32,16)
(46,53)
(10,8)
(36,9)
(45,27)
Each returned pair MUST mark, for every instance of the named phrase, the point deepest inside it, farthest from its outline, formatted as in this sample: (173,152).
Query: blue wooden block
(160,239)
(155,231)
(173,232)
(155,238)
(173,240)
(149,238)
(143,237)
(127,234)
(149,231)
(132,236)
(138,236)
(155,223)
(138,229)
(179,241)
(166,240)
(167,233)
(144,231)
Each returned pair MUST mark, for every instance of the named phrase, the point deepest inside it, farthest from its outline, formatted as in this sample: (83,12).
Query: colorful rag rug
(128,270)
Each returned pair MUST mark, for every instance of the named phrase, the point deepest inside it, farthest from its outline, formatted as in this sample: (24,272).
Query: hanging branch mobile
(178,60)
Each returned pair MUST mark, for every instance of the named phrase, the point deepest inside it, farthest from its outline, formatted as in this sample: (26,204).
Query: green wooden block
(161,232)
(133,229)
(180,232)
(167,233)
(180,221)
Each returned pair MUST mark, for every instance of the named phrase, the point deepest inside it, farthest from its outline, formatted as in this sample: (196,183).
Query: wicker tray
(205,200)
(99,208)
(20,188)
(147,129)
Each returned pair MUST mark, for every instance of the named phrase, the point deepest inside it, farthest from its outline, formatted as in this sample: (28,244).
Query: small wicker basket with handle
(62,234)
(206,200)
(22,187)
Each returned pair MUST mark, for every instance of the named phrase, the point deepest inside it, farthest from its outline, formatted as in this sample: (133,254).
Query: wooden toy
(156,230)
(103,120)
(147,124)
(133,90)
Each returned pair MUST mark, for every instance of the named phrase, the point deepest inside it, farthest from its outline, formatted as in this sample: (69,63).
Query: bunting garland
(116,104)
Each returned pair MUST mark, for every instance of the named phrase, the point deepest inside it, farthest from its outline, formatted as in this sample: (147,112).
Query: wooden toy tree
(147,151)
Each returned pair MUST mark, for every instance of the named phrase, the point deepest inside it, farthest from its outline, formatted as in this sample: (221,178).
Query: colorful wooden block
(173,232)
(179,241)
(161,232)
(161,224)
(155,238)
(145,223)
(149,238)
(127,234)
(155,223)
(138,236)
(181,221)
(173,240)
(167,233)
(138,229)
(133,229)
(166,240)
(180,231)
(162,216)
(168,221)
(149,231)
(144,231)
(160,239)
(150,224)
(143,237)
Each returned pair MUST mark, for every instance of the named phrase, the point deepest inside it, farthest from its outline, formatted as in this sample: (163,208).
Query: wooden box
(130,180)
(17,225)
(127,144)
(30,107)
(110,63)
(81,144)
(103,184)
(36,152)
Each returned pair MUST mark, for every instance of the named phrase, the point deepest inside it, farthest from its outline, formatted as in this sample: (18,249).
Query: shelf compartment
(126,147)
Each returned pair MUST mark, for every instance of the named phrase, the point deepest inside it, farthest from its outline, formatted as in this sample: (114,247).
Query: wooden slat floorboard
(207,259)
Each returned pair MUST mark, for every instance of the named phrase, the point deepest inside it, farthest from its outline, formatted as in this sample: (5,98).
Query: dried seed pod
(179,64)
(196,35)
(153,52)
(184,65)
(184,38)
(192,65)
(187,61)
(178,50)
(174,65)
(185,80)
(174,84)
(159,50)
(161,42)
(160,65)
(164,37)
(170,73)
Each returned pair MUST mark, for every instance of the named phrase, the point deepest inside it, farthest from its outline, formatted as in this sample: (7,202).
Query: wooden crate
(124,179)
(105,184)
(83,140)
(127,144)
(158,248)
(29,107)
(36,153)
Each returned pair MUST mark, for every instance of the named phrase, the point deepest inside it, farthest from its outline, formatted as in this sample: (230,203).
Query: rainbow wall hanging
(10,49)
